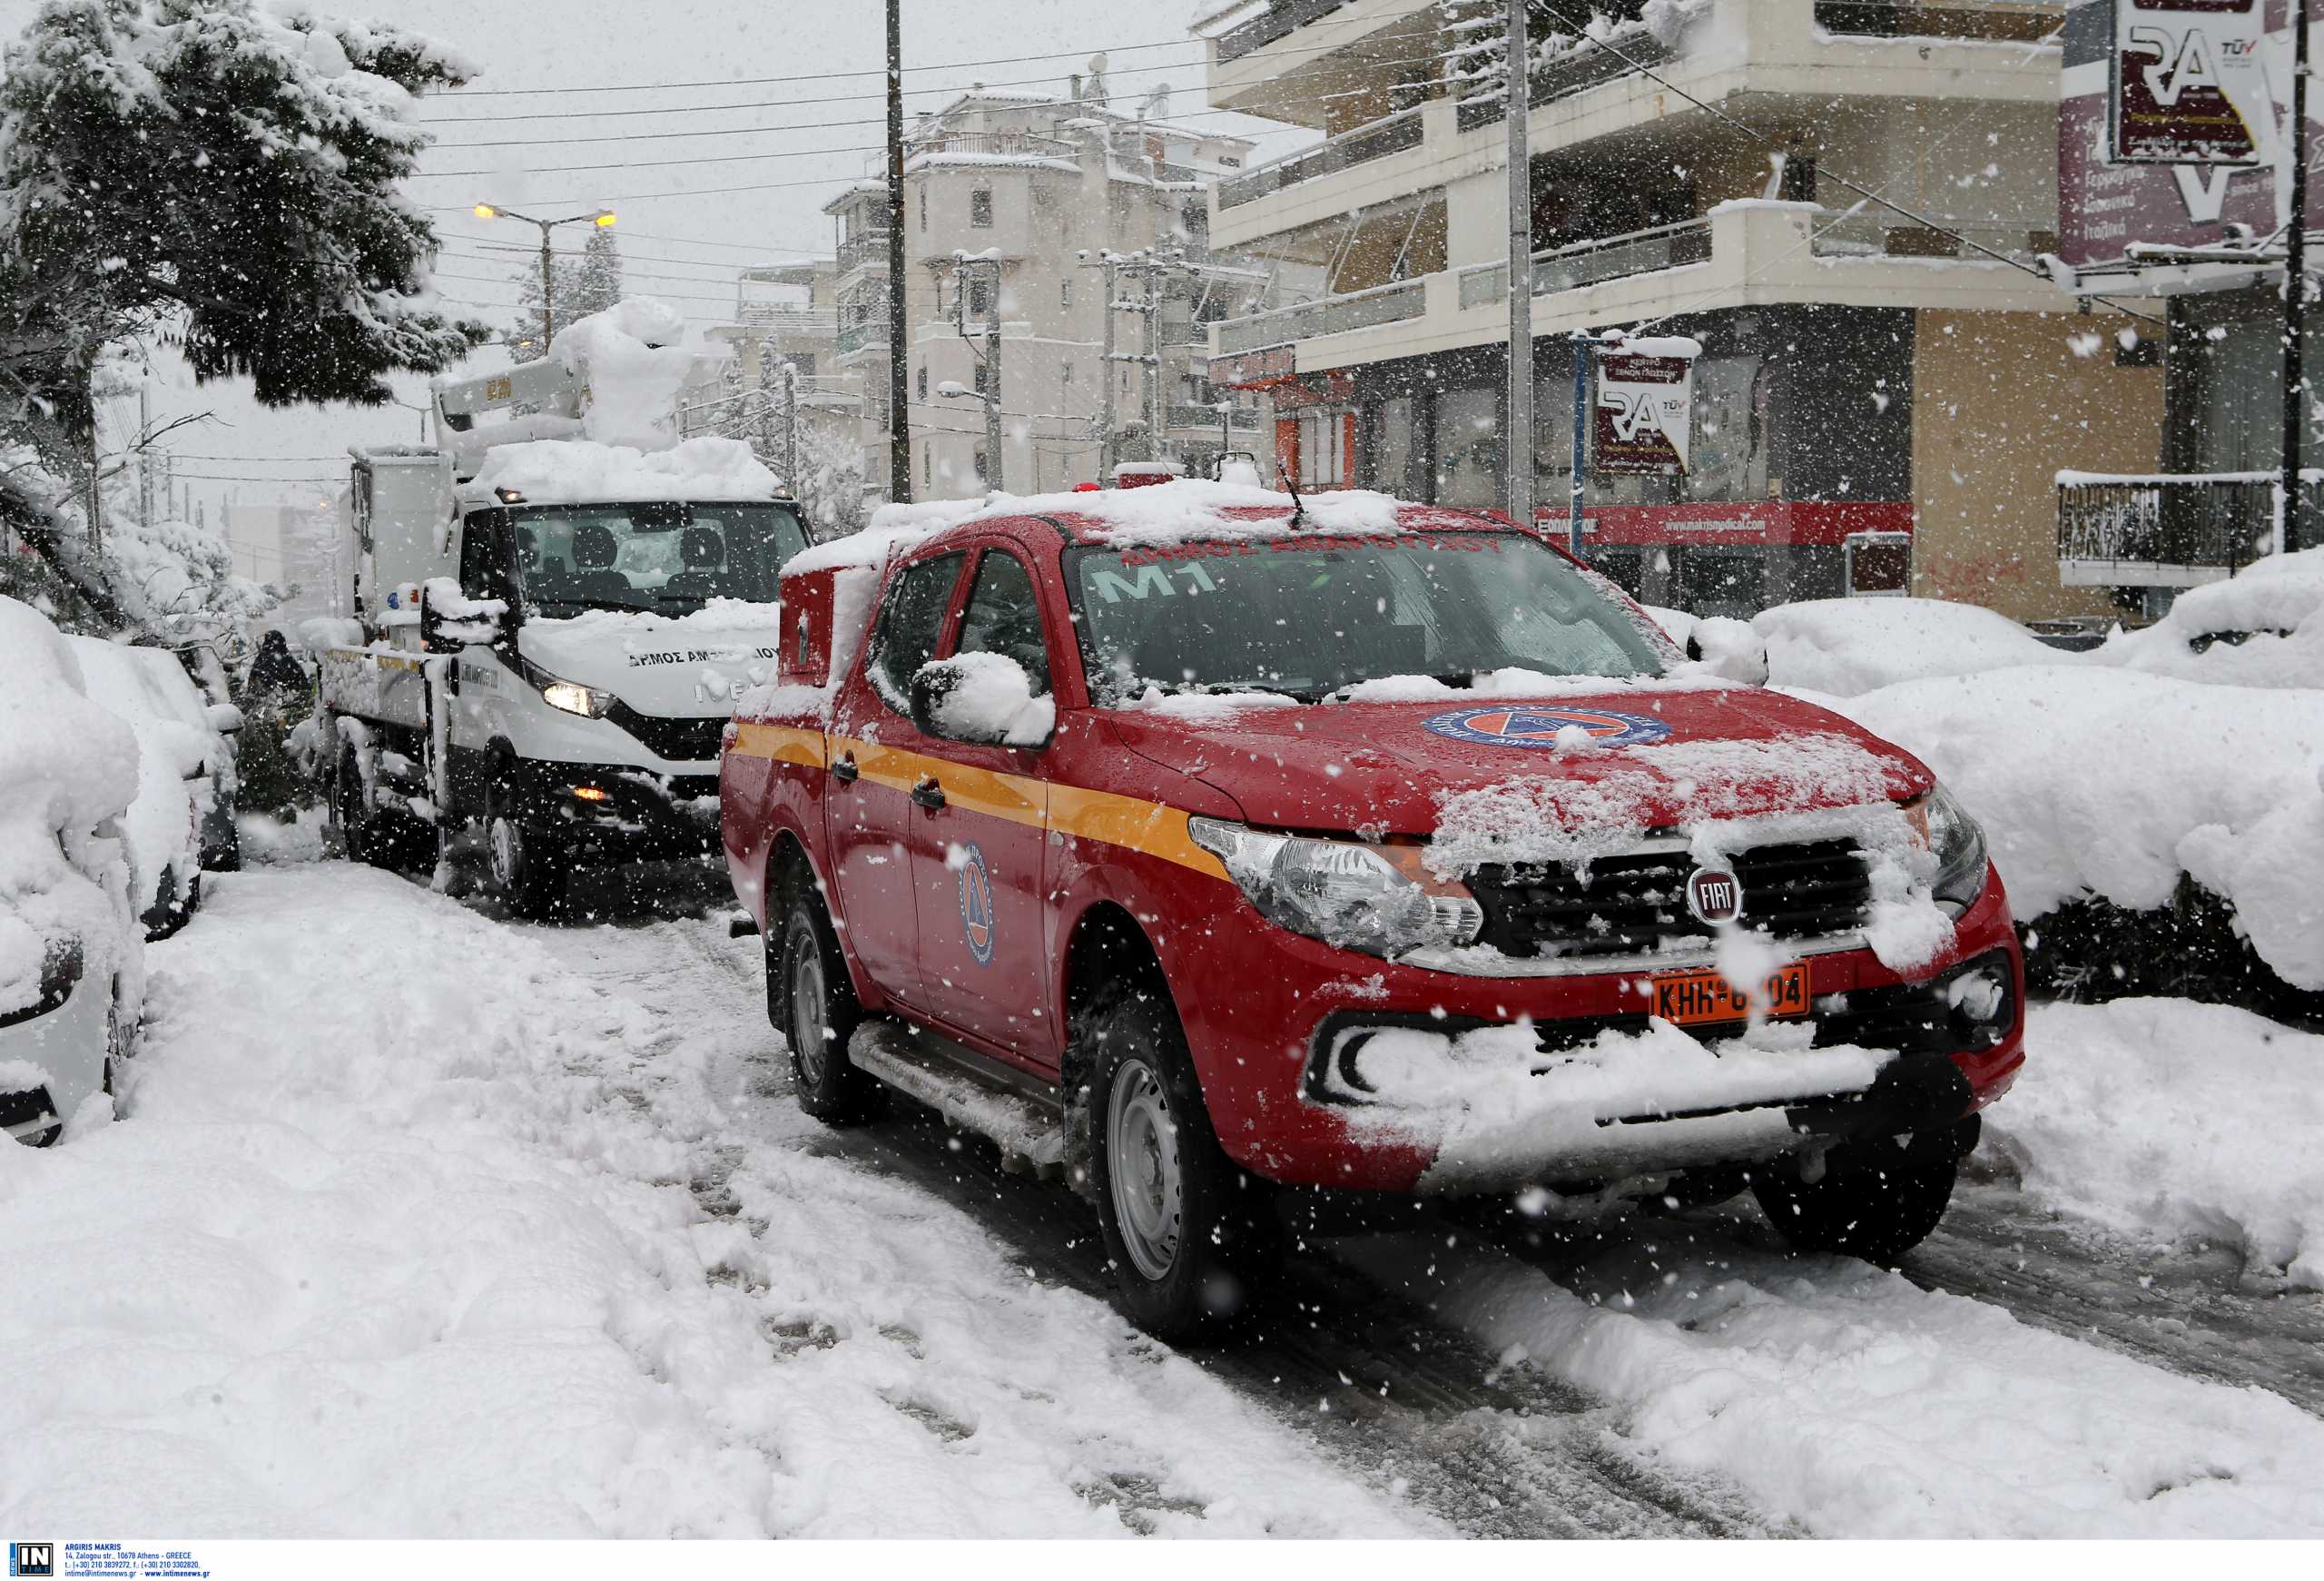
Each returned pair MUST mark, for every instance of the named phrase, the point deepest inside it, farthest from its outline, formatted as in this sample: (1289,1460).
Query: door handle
(844,770)
(929,795)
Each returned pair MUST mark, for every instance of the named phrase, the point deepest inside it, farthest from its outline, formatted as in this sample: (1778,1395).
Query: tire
(1184,1228)
(359,833)
(528,871)
(812,1002)
(1875,1200)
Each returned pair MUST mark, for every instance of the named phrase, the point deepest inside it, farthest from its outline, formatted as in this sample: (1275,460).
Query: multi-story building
(1698,166)
(1038,191)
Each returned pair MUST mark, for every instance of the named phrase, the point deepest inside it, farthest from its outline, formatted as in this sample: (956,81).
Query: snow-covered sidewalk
(413,1230)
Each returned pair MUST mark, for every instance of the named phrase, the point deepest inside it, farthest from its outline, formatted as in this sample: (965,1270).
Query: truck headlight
(1352,896)
(1958,846)
(570,695)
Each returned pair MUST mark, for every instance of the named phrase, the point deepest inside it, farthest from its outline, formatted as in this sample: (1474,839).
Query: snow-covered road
(424,1223)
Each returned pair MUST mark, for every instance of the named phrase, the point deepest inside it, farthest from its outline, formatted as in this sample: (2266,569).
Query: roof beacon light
(509,496)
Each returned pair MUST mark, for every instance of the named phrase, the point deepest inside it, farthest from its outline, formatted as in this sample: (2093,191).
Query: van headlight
(570,695)
(1959,846)
(1378,900)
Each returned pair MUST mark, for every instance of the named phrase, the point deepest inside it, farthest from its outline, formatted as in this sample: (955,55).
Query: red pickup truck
(1239,859)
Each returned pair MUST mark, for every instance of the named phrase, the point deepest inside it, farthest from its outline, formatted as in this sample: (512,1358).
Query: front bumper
(68,1047)
(618,812)
(1271,1010)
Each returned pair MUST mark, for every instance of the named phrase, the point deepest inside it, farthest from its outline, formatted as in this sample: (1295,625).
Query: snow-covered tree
(590,283)
(829,473)
(221,177)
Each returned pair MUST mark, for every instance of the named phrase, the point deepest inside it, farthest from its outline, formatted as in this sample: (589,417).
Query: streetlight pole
(600,218)
(1518,444)
(2295,289)
(899,378)
(791,425)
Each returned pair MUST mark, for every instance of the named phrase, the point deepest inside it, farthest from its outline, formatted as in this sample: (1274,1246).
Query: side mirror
(449,620)
(985,699)
(225,718)
(1729,649)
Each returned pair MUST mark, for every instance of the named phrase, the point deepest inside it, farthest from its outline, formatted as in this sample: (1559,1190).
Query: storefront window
(1468,447)
(1389,458)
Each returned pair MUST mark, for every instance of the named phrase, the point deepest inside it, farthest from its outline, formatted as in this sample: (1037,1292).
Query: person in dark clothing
(274,670)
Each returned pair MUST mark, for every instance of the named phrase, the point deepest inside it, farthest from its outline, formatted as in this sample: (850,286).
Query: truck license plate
(1694,998)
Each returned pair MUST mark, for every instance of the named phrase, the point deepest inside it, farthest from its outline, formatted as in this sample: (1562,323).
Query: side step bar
(1030,1133)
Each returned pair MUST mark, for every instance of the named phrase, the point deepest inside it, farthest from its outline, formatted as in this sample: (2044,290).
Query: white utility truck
(553,631)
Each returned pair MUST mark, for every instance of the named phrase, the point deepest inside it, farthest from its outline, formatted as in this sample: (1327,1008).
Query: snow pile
(2177,1121)
(1843,646)
(990,697)
(2106,782)
(2267,615)
(577,471)
(1203,708)
(412,1230)
(632,362)
(1849,1400)
(66,768)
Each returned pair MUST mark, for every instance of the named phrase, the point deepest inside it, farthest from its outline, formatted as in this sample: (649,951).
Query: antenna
(1298,506)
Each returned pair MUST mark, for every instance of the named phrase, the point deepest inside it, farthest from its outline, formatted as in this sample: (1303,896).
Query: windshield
(669,558)
(1309,616)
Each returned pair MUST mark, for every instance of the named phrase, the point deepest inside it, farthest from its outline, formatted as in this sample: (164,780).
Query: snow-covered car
(183,820)
(72,968)
(1843,646)
(2263,627)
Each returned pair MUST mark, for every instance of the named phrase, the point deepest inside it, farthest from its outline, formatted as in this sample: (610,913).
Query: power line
(819,76)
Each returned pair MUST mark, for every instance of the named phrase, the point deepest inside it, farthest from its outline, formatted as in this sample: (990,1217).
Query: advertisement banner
(1645,414)
(2188,83)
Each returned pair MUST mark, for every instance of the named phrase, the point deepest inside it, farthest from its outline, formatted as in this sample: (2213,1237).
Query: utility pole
(899,382)
(992,439)
(1109,450)
(791,425)
(1517,445)
(145,458)
(2296,291)
(1157,406)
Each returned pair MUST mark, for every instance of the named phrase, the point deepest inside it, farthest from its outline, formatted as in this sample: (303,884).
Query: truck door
(875,766)
(977,852)
(479,684)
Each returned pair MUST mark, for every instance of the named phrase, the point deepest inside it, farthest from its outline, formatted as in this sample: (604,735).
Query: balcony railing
(856,337)
(1374,140)
(802,323)
(1206,418)
(1886,236)
(991,144)
(858,250)
(1993,22)
(1582,68)
(2170,530)
(1580,263)
(1383,305)
(1278,21)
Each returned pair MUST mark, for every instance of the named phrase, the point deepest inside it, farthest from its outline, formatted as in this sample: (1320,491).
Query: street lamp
(601,218)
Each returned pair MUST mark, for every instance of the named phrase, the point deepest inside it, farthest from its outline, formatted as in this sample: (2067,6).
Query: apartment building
(1867,383)
(1038,190)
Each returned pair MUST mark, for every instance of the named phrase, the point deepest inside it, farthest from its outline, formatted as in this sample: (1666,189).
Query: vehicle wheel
(1875,1200)
(811,1000)
(228,855)
(527,873)
(357,835)
(1180,1221)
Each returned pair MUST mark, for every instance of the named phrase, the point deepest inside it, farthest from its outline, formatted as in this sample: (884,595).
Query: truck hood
(692,666)
(1622,760)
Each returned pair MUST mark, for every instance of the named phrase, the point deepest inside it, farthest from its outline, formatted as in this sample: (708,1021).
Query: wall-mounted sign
(2188,85)
(1644,415)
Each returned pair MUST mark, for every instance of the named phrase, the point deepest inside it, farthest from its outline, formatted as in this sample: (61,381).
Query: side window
(483,574)
(1003,616)
(911,625)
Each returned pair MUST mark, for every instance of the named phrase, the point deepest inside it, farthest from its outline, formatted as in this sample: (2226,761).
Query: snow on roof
(1193,507)
(572,471)
(632,360)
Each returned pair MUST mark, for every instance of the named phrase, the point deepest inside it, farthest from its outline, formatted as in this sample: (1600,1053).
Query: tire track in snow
(1416,1410)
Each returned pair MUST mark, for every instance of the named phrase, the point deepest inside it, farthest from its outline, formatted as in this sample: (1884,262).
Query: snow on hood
(632,360)
(676,666)
(577,471)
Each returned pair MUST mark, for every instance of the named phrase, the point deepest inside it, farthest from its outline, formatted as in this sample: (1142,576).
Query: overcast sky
(682,236)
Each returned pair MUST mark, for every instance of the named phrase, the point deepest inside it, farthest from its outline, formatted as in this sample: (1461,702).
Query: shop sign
(1644,415)
(2188,84)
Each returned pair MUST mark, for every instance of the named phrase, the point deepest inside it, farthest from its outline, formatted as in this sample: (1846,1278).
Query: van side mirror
(984,699)
(449,620)
(225,718)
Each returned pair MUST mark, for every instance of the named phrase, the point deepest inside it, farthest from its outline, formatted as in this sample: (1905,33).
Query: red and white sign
(2189,83)
(1645,415)
(1774,522)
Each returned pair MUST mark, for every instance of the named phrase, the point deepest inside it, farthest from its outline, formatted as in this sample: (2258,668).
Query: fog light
(589,793)
(1978,998)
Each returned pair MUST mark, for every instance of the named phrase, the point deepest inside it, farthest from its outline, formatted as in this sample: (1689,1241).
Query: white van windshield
(669,558)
